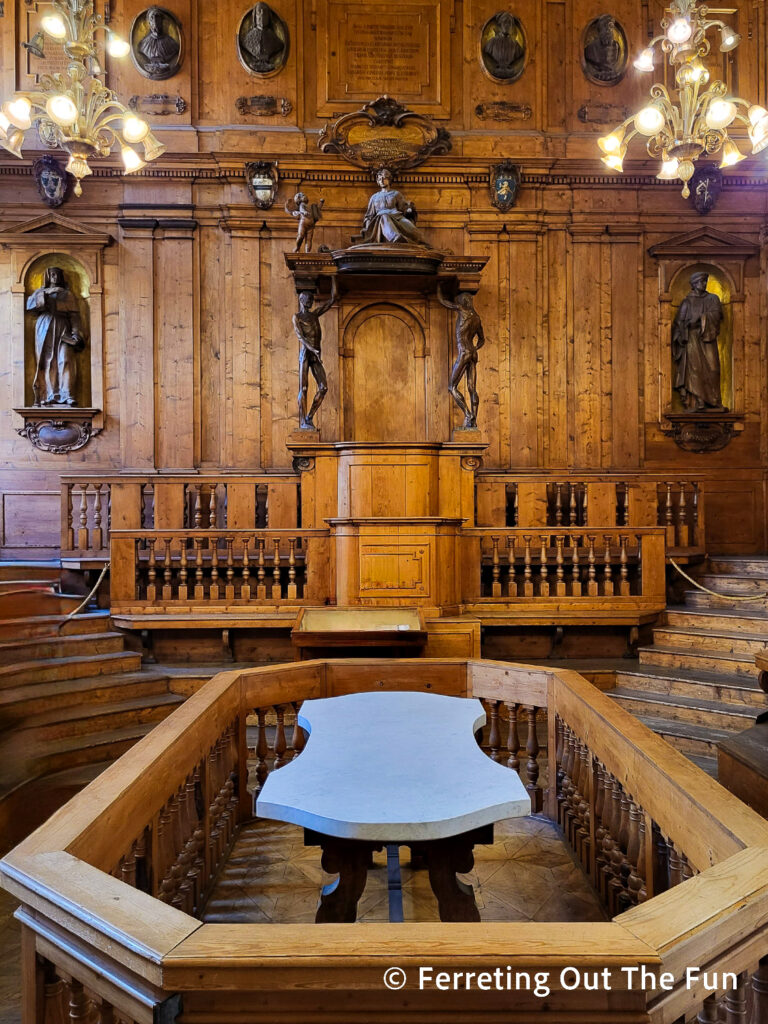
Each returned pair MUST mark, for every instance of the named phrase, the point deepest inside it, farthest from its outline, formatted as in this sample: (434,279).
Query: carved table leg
(350,859)
(455,899)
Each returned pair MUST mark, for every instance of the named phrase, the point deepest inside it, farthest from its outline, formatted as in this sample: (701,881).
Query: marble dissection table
(394,769)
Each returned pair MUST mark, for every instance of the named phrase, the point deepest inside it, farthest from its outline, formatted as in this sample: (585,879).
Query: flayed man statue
(694,347)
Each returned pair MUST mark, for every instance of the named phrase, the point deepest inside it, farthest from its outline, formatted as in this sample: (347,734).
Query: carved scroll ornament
(384,133)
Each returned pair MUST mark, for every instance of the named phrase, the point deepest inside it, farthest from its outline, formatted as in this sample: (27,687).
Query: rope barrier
(714,593)
(86,601)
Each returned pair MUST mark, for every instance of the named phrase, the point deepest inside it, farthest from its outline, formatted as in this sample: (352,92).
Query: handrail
(59,873)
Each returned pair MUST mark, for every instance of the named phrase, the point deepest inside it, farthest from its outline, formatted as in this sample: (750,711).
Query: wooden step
(23,701)
(67,668)
(704,661)
(730,689)
(735,641)
(80,720)
(723,618)
(53,626)
(731,583)
(744,565)
(84,645)
(47,571)
(698,599)
(693,710)
(37,603)
(689,739)
(707,764)
(71,751)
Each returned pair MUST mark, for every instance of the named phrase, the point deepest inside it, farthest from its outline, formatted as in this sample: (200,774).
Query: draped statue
(694,347)
(58,339)
(390,216)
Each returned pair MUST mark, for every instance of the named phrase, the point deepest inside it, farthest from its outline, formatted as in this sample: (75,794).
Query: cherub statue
(306,324)
(308,214)
(469,327)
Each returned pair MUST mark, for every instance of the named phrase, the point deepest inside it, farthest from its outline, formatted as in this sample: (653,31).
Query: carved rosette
(471,462)
(303,464)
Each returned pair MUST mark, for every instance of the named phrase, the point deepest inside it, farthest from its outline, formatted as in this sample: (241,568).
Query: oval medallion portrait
(503,48)
(604,51)
(156,43)
(262,41)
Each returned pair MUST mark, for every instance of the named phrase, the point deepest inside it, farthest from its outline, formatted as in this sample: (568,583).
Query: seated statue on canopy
(390,217)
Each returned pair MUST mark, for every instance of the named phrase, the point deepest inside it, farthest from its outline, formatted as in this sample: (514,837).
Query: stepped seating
(72,700)
(698,684)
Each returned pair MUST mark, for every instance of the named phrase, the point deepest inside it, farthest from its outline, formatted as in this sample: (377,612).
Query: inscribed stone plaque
(375,48)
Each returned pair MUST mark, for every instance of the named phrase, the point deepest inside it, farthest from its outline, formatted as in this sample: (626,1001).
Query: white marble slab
(392,767)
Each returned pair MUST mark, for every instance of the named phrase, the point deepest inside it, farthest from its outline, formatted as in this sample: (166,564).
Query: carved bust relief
(503,48)
(51,179)
(262,41)
(604,51)
(156,43)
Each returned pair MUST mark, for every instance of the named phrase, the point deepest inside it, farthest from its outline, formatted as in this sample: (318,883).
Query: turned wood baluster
(494,733)
(527,573)
(261,573)
(212,508)
(245,586)
(511,582)
(229,573)
(70,518)
(566,789)
(96,534)
(660,852)
(573,512)
(695,512)
(532,764)
(675,865)
(559,573)
(151,570)
(165,857)
(143,866)
(280,743)
(292,569)
(199,589)
(559,755)
(513,738)
(617,852)
(682,514)
(634,879)
(262,748)
(624,844)
(625,509)
(213,589)
(197,507)
(599,806)
(584,505)
(182,591)
(297,740)
(591,575)
(581,837)
(128,866)
(669,516)
(575,799)
(708,1014)
(276,592)
(496,569)
(735,1001)
(558,504)
(760,993)
(167,572)
(575,569)
(543,581)
(608,590)
(642,893)
(82,533)
(609,816)
(79,1004)
(623,571)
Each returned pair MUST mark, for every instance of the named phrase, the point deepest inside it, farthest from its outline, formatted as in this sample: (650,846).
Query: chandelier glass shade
(694,119)
(74,110)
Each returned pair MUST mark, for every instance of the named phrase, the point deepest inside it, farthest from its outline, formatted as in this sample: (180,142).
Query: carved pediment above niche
(53,233)
(703,245)
(384,133)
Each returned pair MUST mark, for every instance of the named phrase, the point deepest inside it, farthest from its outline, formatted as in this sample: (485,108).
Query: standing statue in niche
(58,338)
(307,214)
(470,337)
(390,216)
(306,324)
(694,347)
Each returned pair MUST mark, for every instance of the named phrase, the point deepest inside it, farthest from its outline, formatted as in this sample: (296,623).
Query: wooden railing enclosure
(536,501)
(154,570)
(109,888)
(92,506)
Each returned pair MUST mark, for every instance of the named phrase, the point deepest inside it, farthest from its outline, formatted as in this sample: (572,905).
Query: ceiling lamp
(694,120)
(73,110)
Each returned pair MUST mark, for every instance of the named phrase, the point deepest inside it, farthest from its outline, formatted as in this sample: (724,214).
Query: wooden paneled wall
(200,360)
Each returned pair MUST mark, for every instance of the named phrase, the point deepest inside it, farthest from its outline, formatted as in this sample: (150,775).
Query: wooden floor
(526,875)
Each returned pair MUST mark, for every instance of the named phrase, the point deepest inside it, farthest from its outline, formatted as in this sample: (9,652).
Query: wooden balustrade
(537,501)
(564,565)
(168,568)
(108,890)
(90,506)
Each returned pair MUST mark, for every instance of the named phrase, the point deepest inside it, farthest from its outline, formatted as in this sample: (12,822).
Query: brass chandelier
(678,132)
(74,110)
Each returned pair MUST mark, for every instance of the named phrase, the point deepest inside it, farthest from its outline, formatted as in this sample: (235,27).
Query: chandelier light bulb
(697,73)
(152,148)
(14,142)
(5,124)
(54,26)
(62,110)
(669,169)
(615,160)
(756,113)
(18,112)
(649,120)
(731,154)
(645,61)
(720,113)
(758,133)
(729,39)
(131,160)
(134,129)
(117,47)
(611,143)
(679,31)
